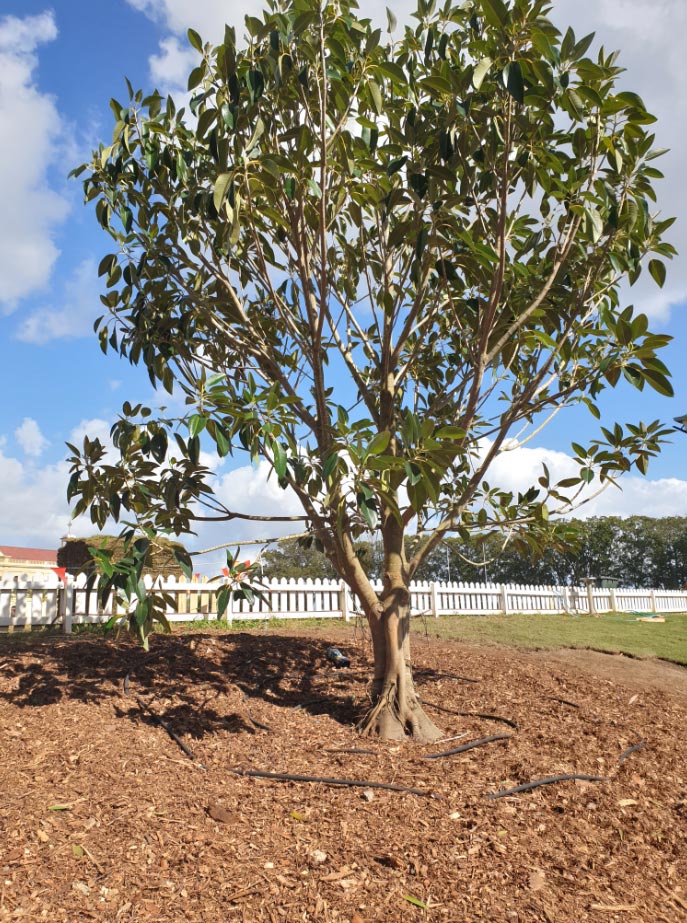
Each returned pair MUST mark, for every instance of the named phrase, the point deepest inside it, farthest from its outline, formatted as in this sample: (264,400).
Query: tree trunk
(396,711)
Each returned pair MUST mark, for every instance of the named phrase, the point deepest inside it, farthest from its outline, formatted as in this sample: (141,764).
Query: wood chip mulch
(104,816)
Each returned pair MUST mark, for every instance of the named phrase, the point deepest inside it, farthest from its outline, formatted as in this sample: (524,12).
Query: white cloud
(170,69)
(205,16)
(73,317)
(249,489)
(518,469)
(95,428)
(30,130)
(30,437)
(33,497)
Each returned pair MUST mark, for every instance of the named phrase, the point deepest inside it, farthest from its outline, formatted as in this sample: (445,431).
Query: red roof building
(17,560)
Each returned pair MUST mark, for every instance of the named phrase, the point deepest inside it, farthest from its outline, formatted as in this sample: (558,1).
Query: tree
(378,264)
(301,558)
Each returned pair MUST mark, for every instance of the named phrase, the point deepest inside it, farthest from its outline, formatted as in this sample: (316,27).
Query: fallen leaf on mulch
(337,876)
(537,880)
(219,813)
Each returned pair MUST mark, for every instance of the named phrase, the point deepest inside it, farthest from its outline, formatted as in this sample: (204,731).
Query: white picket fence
(42,599)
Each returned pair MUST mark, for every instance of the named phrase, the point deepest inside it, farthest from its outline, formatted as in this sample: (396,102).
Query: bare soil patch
(104,817)
(641,673)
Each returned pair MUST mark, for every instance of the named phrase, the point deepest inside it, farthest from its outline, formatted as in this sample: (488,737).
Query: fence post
(434,595)
(590,598)
(653,601)
(614,601)
(345,602)
(504,599)
(67,604)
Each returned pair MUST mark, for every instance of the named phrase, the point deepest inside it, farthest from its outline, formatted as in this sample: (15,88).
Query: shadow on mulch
(193,671)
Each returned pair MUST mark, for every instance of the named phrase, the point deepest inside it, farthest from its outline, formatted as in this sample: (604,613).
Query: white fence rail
(39,599)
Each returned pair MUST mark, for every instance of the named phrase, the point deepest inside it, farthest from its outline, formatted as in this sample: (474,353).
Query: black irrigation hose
(624,755)
(472,714)
(462,679)
(469,746)
(288,777)
(526,786)
(556,698)
(352,750)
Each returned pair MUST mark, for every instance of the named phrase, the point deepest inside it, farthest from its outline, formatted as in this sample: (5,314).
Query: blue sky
(60,62)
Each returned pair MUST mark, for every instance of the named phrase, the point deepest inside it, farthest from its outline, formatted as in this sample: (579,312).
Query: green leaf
(512,80)
(379,443)
(480,72)
(195,77)
(223,600)
(391,20)
(415,901)
(330,463)
(183,559)
(195,40)
(495,12)
(279,459)
(657,268)
(107,264)
(376,94)
(222,442)
(595,224)
(222,184)
(197,424)
(659,382)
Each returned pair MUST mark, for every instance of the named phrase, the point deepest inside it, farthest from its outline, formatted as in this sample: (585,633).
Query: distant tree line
(637,551)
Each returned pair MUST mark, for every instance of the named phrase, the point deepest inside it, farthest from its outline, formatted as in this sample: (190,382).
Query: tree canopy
(377,262)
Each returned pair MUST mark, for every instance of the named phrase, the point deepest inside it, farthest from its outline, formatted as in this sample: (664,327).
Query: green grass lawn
(617,633)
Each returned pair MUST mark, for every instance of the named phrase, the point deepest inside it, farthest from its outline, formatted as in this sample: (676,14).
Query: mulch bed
(104,816)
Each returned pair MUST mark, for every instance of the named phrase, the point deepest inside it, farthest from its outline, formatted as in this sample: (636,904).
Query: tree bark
(396,711)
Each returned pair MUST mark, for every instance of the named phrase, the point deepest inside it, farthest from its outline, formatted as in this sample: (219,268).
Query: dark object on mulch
(337,659)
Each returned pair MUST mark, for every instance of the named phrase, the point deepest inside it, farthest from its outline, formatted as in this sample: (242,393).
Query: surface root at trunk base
(390,720)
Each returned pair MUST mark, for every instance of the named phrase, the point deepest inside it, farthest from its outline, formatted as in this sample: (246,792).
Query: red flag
(61,573)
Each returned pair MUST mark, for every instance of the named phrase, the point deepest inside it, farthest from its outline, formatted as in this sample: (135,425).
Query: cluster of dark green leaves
(242,582)
(122,583)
